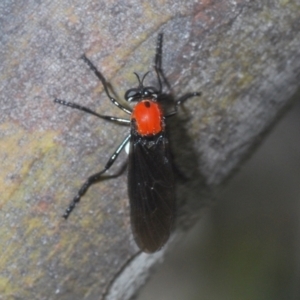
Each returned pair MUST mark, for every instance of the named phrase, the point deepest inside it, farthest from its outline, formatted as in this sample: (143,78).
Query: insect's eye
(131,94)
(150,91)
(137,94)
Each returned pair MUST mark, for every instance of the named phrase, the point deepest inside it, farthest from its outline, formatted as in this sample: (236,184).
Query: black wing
(151,191)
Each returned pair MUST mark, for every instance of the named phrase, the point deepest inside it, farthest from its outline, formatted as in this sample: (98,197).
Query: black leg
(181,100)
(94,178)
(87,110)
(160,74)
(186,97)
(102,79)
(158,64)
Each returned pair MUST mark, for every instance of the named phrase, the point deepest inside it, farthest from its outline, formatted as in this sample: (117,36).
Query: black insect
(150,172)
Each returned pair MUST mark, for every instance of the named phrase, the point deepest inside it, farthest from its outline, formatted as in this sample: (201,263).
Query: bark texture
(244,56)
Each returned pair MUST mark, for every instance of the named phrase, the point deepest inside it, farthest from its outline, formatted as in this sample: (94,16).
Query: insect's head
(141,92)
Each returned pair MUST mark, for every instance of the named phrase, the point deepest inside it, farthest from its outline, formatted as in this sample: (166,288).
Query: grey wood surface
(242,55)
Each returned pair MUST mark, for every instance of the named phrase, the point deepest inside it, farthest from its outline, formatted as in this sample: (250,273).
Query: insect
(150,171)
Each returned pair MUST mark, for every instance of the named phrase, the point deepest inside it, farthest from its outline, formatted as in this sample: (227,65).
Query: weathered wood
(244,57)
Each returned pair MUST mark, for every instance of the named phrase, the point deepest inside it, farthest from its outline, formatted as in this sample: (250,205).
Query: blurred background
(247,246)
